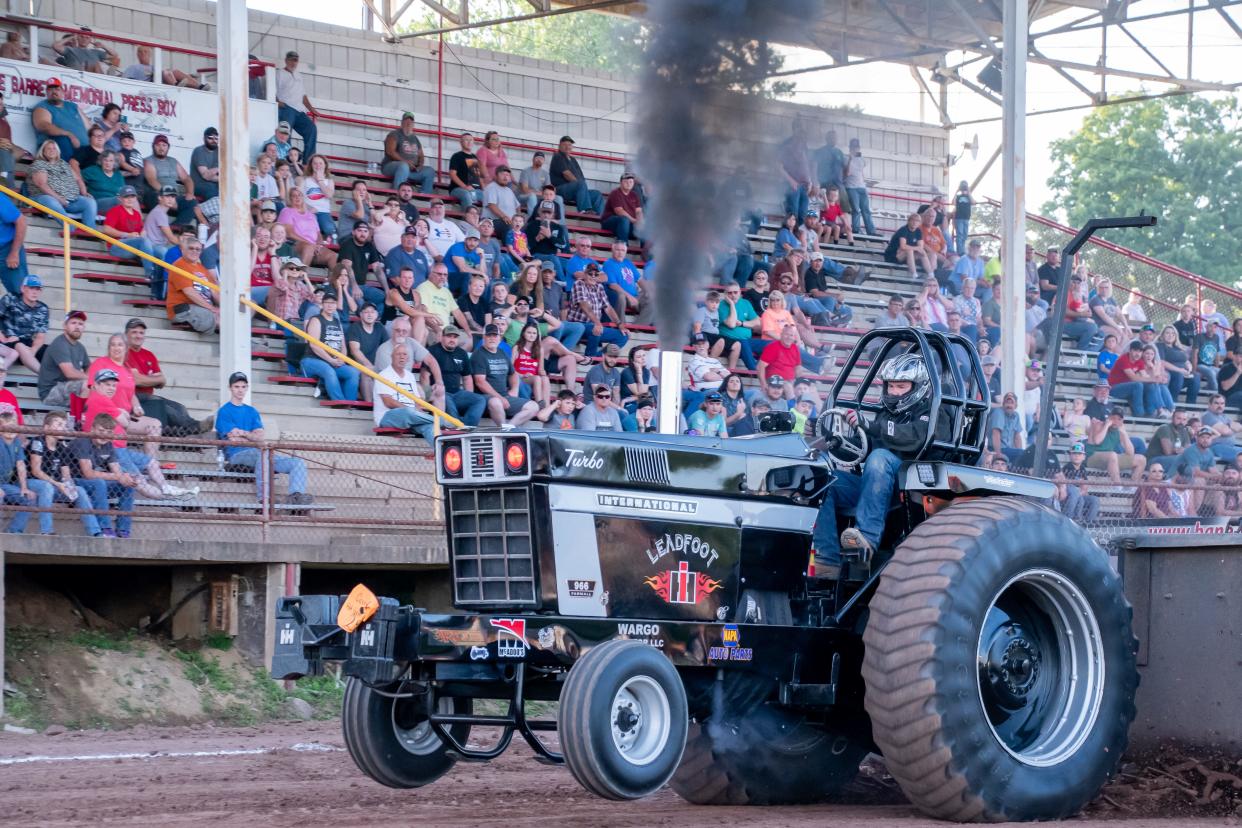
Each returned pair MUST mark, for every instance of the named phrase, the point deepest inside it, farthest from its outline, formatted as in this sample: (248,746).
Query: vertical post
(668,414)
(1013,198)
(33,40)
(232,60)
(157,65)
(440,103)
(65,239)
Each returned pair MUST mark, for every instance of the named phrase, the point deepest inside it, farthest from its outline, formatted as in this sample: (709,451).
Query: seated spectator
(443,233)
(1109,447)
(590,305)
(174,418)
(303,228)
(191,302)
(1209,356)
(103,182)
(500,202)
(529,364)
(759,290)
(242,426)
(1106,358)
(144,70)
(906,248)
(739,323)
(56,185)
(263,264)
(355,207)
(818,286)
(463,260)
(1128,382)
(7,398)
(123,403)
(267,188)
(84,52)
(497,264)
(394,410)
(100,474)
(15,482)
(12,252)
(160,170)
(205,165)
(403,157)
(623,212)
(24,324)
(601,415)
(124,221)
(624,280)
(830,311)
(364,338)
(1153,499)
(706,322)
(495,378)
(59,120)
(546,236)
(532,180)
(1169,441)
(465,180)
(1107,313)
(637,380)
(492,157)
(560,413)
(281,140)
(736,409)
(1226,499)
(1006,431)
(706,372)
(1235,336)
(388,225)
(934,243)
(455,380)
(404,300)
(1227,378)
(360,250)
(1198,463)
(772,393)
(129,159)
(969,266)
(340,380)
(1155,375)
(893,316)
(52,460)
(1048,279)
(1086,507)
(62,370)
(570,182)
(291,289)
(709,420)
(1226,428)
(14,48)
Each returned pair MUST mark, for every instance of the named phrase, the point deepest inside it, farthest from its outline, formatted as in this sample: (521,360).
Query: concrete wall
(354,72)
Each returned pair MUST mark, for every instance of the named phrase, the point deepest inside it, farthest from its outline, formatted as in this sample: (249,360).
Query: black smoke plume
(706,62)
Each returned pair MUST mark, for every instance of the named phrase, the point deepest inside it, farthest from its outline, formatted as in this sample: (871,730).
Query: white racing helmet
(905,368)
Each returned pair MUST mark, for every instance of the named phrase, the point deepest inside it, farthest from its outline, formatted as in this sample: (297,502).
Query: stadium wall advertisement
(149,109)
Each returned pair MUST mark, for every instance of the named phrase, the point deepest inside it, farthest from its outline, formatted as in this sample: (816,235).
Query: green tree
(1179,158)
(592,40)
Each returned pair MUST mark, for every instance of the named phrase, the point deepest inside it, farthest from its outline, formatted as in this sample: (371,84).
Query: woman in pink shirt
(491,155)
(777,316)
(125,398)
(935,314)
(303,229)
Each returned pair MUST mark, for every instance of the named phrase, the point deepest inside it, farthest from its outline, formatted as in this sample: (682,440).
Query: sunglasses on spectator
(603,395)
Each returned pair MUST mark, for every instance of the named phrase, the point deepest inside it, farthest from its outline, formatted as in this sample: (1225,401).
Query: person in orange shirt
(933,240)
(188,301)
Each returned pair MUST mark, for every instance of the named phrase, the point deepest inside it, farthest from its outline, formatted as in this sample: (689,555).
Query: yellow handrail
(259,309)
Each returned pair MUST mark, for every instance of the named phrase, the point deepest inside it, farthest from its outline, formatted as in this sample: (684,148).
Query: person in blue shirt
(59,120)
(464,259)
(623,278)
(579,260)
(709,420)
(18,487)
(970,266)
(12,252)
(1107,357)
(240,423)
(406,255)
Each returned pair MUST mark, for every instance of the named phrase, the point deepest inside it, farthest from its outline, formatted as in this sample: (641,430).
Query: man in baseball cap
(293,107)
(570,182)
(205,165)
(240,424)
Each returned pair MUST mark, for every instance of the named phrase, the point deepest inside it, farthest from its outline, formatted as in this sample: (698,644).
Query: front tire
(623,720)
(1000,664)
(390,739)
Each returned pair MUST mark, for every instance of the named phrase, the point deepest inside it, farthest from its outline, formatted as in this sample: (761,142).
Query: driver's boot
(855,545)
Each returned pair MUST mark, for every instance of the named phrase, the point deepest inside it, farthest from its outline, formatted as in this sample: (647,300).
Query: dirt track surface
(298,773)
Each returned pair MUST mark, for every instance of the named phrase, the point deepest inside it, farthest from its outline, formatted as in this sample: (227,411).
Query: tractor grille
(482,454)
(645,465)
(492,556)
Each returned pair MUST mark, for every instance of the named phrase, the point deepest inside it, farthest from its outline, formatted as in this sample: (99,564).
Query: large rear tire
(1000,664)
(390,739)
(623,719)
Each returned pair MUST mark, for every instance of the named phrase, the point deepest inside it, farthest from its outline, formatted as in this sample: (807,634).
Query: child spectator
(709,420)
(559,415)
(242,426)
(52,460)
(99,472)
(1107,357)
(23,324)
(18,488)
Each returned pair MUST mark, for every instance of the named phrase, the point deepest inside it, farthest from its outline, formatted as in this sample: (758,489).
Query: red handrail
(133,41)
(348,119)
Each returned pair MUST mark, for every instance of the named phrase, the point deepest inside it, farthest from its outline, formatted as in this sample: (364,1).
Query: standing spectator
(9,152)
(24,322)
(189,302)
(492,157)
(303,229)
(145,367)
(58,120)
(205,165)
(1006,433)
(495,378)
(500,201)
(293,105)
(55,184)
(795,169)
(465,182)
(340,380)
(589,305)
(454,363)
(829,164)
(1086,508)
(906,248)
(963,201)
(443,233)
(623,212)
(18,488)
(403,157)
(99,472)
(855,180)
(62,371)
(393,410)
(124,222)
(1110,447)
(570,182)
(1127,381)
(52,460)
(12,246)
(364,339)
(242,426)
(160,170)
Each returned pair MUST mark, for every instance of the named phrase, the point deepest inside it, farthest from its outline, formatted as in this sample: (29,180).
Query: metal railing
(261,311)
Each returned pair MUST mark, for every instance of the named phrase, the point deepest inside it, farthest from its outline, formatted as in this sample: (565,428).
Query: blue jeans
(411,419)
(82,208)
(1225,449)
(796,201)
(142,244)
(609,336)
(424,178)
(99,492)
(1177,382)
(569,334)
(44,495)
(292,466)
(340,382)
(747,352)
(466,406)
(1140,395)
(13,496)
(737,267)
(582,196)
(1082,331)
(12,277)
(961,229)
(861,205)
(258,295)
(619,226)
(1164,398)
(84,501)
(326,225)
(466,197)
(303,125)
(868,495)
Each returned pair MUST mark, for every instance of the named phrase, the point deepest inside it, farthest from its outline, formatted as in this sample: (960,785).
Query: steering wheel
(846,445)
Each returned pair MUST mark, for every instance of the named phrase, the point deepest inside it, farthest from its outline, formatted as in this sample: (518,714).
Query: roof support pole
(1013,199)
(232,38)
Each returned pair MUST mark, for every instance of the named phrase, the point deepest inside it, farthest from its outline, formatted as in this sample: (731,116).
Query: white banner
(148,109)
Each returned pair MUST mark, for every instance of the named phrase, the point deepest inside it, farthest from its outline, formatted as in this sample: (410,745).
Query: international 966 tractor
(659,588)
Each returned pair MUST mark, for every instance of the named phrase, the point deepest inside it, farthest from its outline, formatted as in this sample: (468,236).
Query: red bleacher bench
(291,379)
(355,405)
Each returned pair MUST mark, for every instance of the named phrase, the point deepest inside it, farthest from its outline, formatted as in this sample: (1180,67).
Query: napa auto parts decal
(730,648)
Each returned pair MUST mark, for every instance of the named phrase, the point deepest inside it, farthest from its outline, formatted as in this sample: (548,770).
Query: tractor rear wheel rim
(1041,667)
(641,720)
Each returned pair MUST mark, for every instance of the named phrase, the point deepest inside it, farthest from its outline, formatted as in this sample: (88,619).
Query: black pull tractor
(658,588)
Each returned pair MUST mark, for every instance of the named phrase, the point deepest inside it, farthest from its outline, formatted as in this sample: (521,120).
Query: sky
(889,90)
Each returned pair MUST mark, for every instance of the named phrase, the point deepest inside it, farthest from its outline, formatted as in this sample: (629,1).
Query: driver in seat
(896,435)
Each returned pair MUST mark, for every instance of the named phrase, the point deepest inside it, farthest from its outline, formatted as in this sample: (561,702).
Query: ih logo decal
(511,642)
(681,586)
